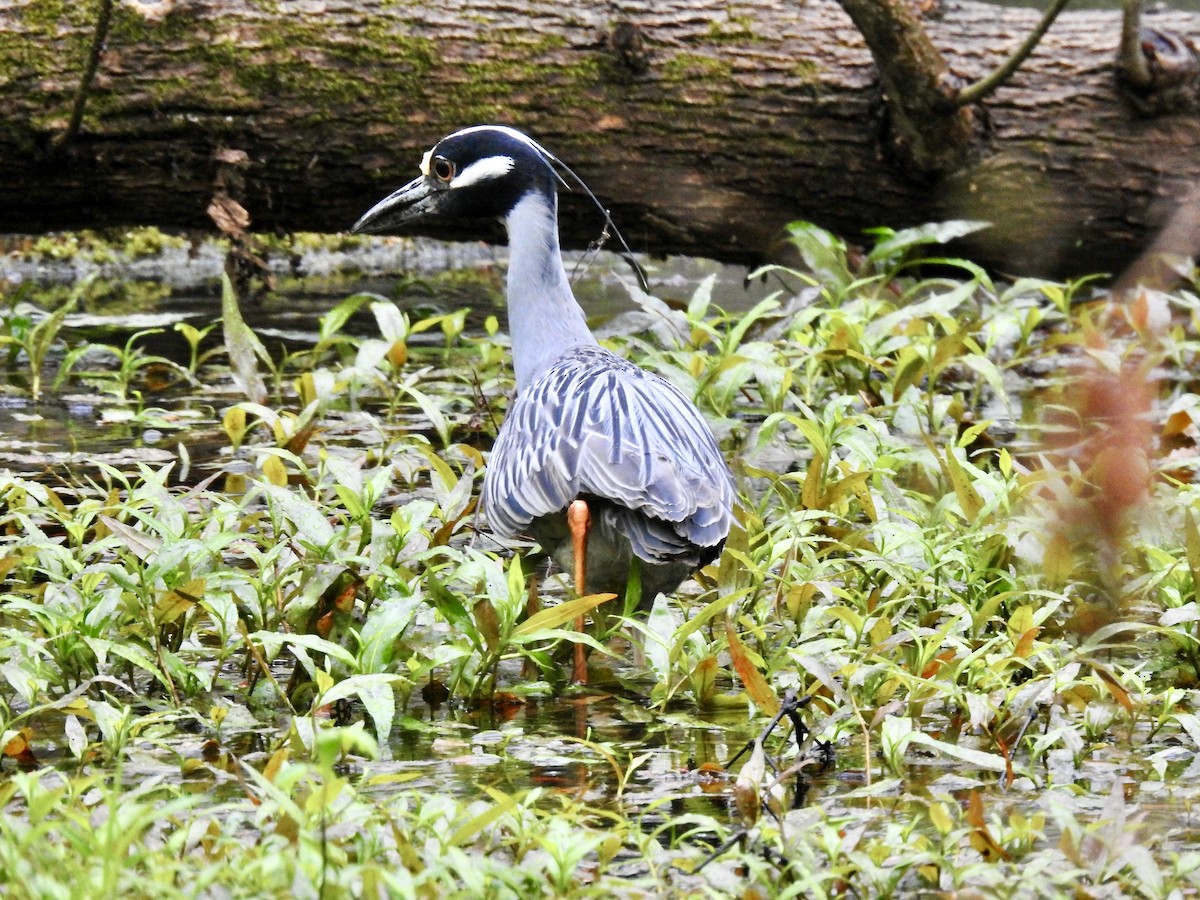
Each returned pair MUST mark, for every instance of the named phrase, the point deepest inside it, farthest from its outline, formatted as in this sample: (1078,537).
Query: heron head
(477,173)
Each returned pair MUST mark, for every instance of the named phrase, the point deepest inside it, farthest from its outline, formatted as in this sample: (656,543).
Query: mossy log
(705,124)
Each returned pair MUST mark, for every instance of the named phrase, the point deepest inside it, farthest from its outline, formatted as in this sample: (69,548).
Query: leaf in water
(179,601)
(311,526)
(756,686)
(564,612)
(992,762)
(376,691)
(140,544)
(981,837)
(487,622)
(273,640)
(234,423)
(466,832)
(1114,687)
(1190,723)
(242,345)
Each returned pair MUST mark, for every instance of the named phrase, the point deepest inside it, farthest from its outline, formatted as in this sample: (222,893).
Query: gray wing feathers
(597,424)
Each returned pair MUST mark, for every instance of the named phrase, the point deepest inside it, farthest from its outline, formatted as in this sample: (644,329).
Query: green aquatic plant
(295,644)
(36,335)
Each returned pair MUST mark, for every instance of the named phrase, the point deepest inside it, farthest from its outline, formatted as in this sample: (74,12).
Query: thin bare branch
(1134,64)
(99,37)
(973,93)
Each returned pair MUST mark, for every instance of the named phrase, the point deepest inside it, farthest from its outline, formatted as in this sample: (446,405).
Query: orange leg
(579,519)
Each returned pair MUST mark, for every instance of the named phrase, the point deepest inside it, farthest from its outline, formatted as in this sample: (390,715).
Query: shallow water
(573,745)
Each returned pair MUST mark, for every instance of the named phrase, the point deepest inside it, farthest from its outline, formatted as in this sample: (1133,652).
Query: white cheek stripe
(483,170)
(425,163)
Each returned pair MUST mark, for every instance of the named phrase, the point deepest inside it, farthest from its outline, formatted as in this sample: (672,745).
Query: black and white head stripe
(510,133)
(487,169)
(494,147)
(493,169)
(504,166)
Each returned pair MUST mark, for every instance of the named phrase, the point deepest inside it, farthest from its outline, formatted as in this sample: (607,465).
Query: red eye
(443,169)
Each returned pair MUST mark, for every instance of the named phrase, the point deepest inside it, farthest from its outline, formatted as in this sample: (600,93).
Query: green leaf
(896,244)
(992,762)
(273,640)
(139,543)
(334,320)
(377,694)
(969,499)
(466,832)
(564,612)
(310,522)
(242,345)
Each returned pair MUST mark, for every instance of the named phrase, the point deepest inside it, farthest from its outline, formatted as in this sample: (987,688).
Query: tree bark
(706,124)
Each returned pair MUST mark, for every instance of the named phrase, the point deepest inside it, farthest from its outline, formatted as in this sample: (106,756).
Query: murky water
(577,746)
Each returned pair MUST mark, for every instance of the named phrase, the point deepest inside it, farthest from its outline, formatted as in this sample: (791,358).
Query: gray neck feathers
(544,320)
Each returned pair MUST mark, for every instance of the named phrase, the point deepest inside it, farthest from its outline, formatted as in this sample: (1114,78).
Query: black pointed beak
(415,200)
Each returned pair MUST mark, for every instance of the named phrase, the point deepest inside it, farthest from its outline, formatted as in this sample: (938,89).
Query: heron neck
(544,319)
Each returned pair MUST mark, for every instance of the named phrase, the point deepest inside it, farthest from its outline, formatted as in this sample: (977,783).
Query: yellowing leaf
(275,763)
(1114,687)
(1058,561)
(968,498)
(812,493)
(756,686)
(1025,644)
(1191,536)
(487,622)
(1021,620)
(909,368)
(469,829)
(397,354)
(234,423)
(275,471)
(242,345)
(980,836)
(561,614)
(940,816)
(704,679)
(179,602)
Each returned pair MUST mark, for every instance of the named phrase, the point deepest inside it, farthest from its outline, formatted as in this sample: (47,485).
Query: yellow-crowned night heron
(596,454)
